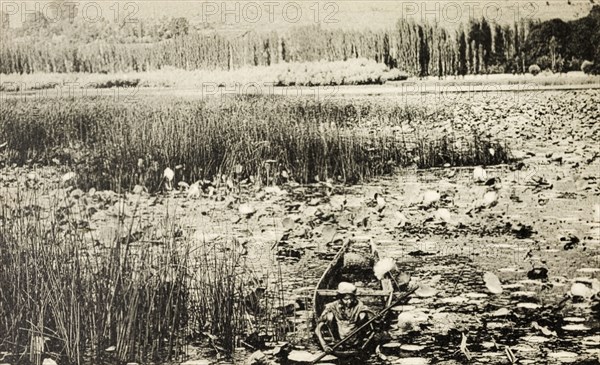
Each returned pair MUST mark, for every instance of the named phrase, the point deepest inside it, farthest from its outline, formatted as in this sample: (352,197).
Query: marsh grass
(137,298)
(471,152)
(66,294)
(112,144)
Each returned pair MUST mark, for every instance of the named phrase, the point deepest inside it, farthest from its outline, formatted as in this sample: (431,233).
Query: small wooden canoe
(377,294)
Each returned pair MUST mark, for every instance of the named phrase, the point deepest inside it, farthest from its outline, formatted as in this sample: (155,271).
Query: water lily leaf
(536,339)
(257,358)
(425,291)
(500,312)
(454,300)
(575,327)
(562,355)
(581,290)
(574,319)
(479,174)
(443,215)
(492,283)
(301,356)
(68,176)
(391,345)
(329,233)
(528,305)
(411,361)
(430,197)
(476,295)
(288,223)
(400,218)
(409,347)
(490,198)
(591,341)
(247,210)
(381,203)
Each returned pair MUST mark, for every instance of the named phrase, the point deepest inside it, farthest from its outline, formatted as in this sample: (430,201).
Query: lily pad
(492,283)
(425,291)
(411,361)
(490,198)
(247,210)
(523,348)
(591,340)
(288,223)
(527,294)
(535,339)
(500,312)
(430,197)
(476,295)
(512,286)
(511,269)
(454,300)
(403,308)
(589,269)
(563,355)
(329,233)
(575,327)
(574,319)
(301,356)
(409,347)
(581,290)
(528,305)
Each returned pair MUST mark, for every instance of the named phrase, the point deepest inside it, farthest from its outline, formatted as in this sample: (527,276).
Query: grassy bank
(351,72)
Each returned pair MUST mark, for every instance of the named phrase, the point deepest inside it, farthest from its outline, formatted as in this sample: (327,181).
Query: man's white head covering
(346,288)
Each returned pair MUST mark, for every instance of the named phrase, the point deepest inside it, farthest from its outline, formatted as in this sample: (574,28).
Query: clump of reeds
(116,143)
(452,151)
(68,295)
(140,297)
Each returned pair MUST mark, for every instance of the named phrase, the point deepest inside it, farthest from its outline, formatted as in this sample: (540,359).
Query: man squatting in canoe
(343,316)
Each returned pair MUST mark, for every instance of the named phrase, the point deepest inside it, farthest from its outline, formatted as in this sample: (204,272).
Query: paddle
(353,333)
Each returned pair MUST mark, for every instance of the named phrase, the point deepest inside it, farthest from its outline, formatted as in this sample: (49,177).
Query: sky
(277,15)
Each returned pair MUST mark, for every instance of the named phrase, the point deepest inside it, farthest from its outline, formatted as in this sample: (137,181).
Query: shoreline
(405,88)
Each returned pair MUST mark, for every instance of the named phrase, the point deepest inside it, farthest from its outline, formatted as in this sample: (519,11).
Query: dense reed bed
(108,142)
(64,294)
(141,297)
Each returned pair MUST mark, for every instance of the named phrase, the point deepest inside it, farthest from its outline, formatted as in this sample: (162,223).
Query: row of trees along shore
(477,47)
